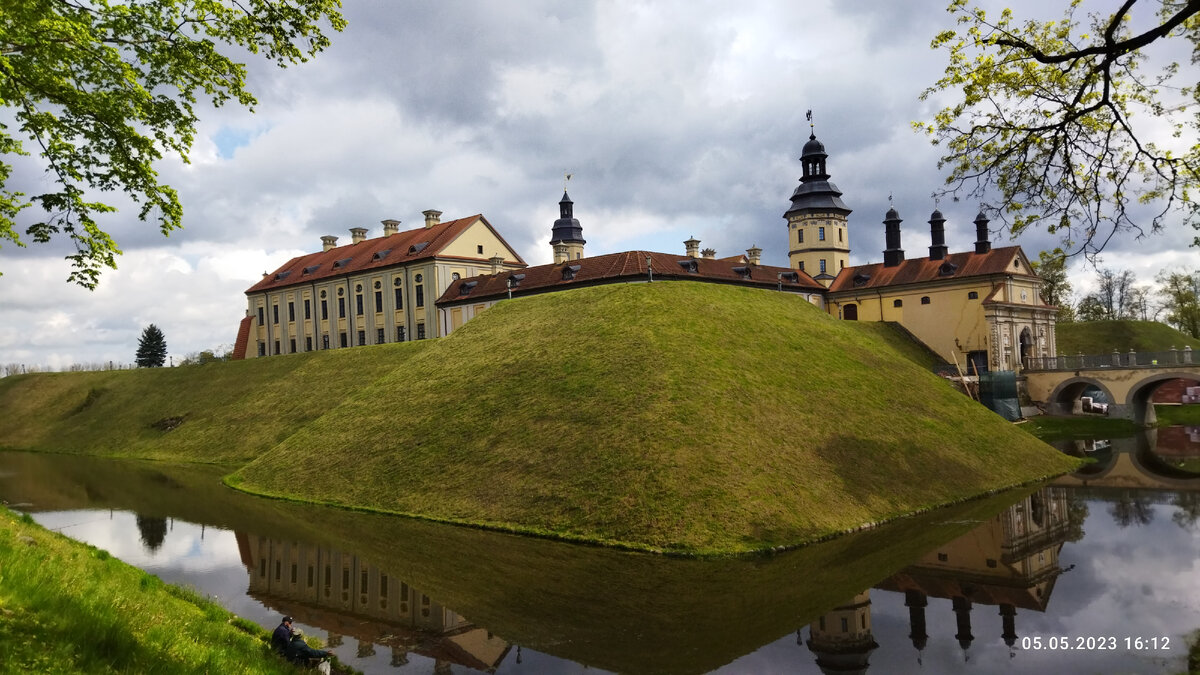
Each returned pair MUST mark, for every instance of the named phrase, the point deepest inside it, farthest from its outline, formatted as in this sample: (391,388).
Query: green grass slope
(229,412)
(673,416)
(1101,337)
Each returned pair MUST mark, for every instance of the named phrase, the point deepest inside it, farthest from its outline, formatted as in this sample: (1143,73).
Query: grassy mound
(671,416)
(1101,337)
(217,413)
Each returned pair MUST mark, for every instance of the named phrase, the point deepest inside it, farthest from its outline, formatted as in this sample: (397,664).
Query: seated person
(299,652)
(282,636)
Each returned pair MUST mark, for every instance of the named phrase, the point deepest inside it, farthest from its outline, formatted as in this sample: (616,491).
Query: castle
(981,309)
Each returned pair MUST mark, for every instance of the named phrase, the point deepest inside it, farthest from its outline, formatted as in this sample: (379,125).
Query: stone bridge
(1129,380)
(1126,463)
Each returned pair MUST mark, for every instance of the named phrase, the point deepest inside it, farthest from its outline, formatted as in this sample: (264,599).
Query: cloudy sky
(675,118)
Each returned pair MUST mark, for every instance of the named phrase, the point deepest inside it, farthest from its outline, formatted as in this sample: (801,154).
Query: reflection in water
(961,590)
(349,597)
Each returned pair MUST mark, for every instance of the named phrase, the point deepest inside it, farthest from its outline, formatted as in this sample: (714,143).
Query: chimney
(328,242)
(358,234)
(982,243)
(753,255)
(432,218)
(893,255)
(497,263)
(709,253)
(937,235)
(692,247)
(390,227)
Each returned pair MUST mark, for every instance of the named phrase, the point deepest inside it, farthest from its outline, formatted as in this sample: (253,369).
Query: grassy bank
(1050,428)
(1101,337)
(671,416)
(66,607)
(1177,414)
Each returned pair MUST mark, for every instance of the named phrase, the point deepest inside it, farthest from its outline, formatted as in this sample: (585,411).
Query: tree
(1051,266)
(101,90)
(1115,292)
(1047,122)
(1180,292)
(152,348)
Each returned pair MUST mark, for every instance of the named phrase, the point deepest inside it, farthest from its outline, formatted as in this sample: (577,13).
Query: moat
(1095,572)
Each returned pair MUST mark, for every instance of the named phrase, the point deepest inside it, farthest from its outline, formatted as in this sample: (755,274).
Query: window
(845,625)
(841,264)
(277,347)
(261,321)
(291,311)
(278,569)
(479,249)
(378,301)
(362,338)
(325,341)
(801,265)
(324,310)
(322,294)
(942,557)
(417,279)
(293,573)
(821,233)
(420,291)
(839,234)
(378,285)
(276,312)
(399,333)
(358,304)
(310,576)
(399,298)
(420,331)
(379,336)
(308,343)
(358,288)
(800,233)
(822,266)
(973,295)
(455,277)
(341,308)
(342,335)
(262,348)
(897,303)
(924,299)
(307,309)
(292,346)
(991,562)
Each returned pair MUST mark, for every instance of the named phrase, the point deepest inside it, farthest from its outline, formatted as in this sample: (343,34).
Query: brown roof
(243,339)
(401,247)
(924,270)
(624,266)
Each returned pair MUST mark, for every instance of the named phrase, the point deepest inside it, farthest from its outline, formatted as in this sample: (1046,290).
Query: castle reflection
(349,597)
(1010,562)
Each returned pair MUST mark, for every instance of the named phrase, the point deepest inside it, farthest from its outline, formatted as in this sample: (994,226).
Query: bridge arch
(1062,399)
(1138,400)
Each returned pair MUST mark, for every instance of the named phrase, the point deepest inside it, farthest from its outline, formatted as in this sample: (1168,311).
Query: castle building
(371,291)
(817,234)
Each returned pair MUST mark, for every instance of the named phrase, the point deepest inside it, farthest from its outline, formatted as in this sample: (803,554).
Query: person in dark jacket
(282,636)
(299,652)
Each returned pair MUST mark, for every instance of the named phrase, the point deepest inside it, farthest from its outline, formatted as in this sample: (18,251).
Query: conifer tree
(152,348)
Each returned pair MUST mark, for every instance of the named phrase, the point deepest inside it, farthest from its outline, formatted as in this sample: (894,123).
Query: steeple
(937,236)
(818,240)
(567,232)
(983,242)
(892,255)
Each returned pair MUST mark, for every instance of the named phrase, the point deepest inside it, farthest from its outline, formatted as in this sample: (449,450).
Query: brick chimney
(709,253)
(692,247)
(983,243)
(497,263)
(358,234)
(328,242)
(390,227)
(753,255)
(432,218)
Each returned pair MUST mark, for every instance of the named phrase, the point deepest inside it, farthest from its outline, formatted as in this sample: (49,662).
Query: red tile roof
(924,270)
(625,266)
(243,339)
(361,256)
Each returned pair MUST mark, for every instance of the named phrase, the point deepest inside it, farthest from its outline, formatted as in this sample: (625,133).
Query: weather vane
(890,204)
(566,179)
(808,116)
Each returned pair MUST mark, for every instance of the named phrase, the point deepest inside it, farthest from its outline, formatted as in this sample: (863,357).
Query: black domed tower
(818,241)
(567,235)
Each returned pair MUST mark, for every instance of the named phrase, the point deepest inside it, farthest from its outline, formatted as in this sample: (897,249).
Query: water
(1088,569)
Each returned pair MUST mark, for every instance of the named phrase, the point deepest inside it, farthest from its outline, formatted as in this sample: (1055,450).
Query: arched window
(924,299)
(897,303)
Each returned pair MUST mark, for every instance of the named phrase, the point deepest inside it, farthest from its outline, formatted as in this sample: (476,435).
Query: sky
(675,120)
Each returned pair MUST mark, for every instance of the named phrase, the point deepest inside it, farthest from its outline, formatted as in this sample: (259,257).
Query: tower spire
(566,236)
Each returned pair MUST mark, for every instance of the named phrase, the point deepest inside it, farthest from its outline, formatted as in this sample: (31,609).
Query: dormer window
(417,248)
(947,269)
(282,275)
(341,263)
(380,255)
(690,266)
(466,287)
(309,270)
(569,272)
(791,277)
(861,279)
(743,272)
(514,280)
